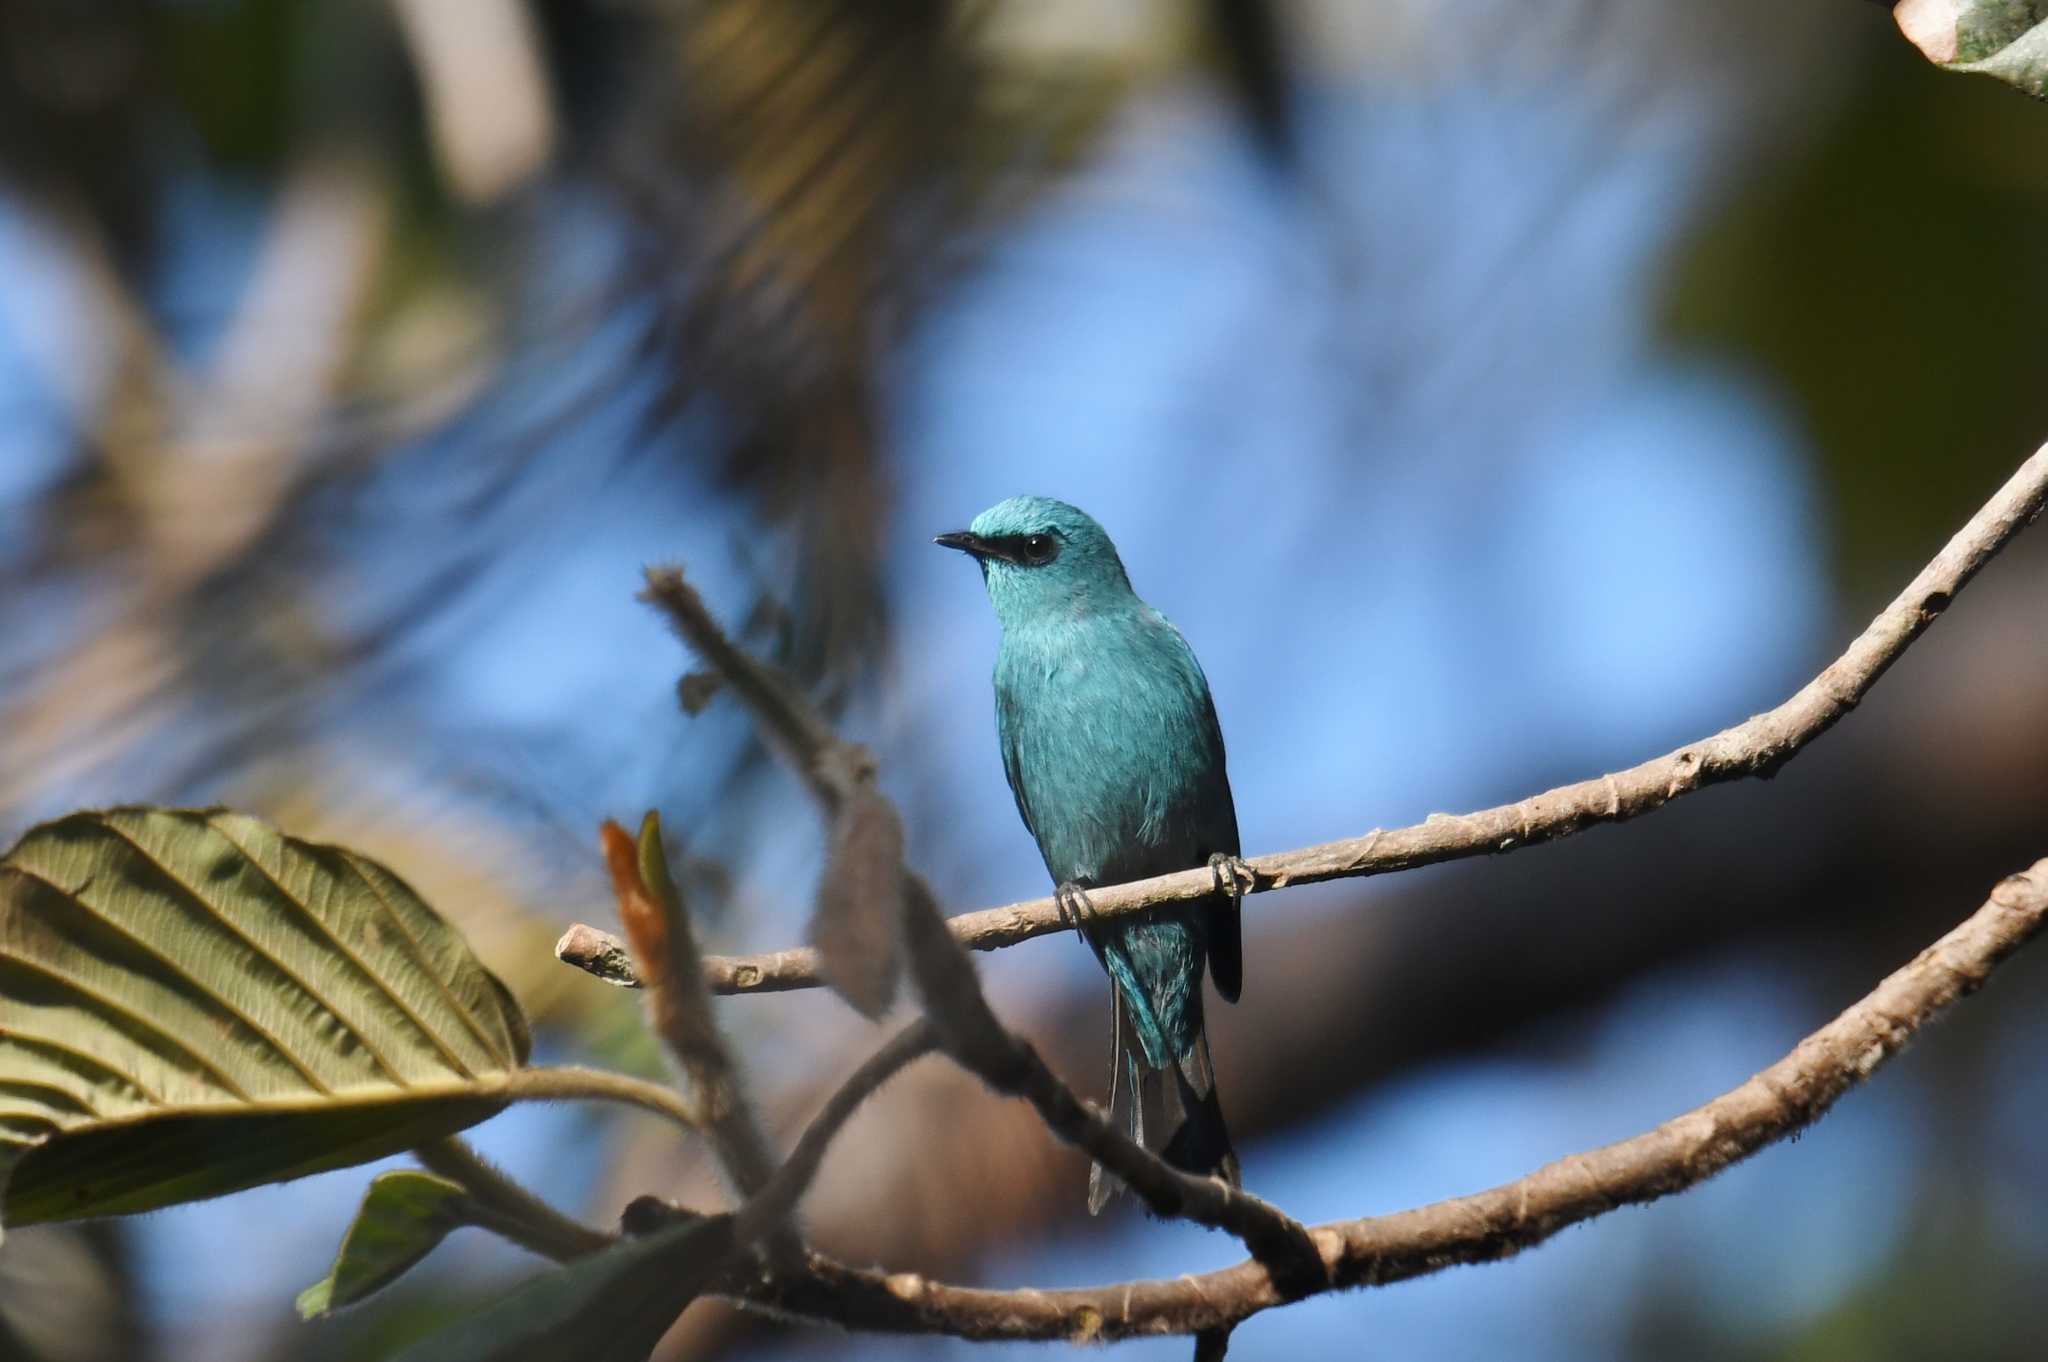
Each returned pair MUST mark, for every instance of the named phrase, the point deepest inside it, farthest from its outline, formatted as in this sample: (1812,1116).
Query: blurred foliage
(786,187)
(819,146)
(71,1293)
(414,1309)
(1890,274)
(787,182)
(1959,1287)
(251,123)
(636,1288)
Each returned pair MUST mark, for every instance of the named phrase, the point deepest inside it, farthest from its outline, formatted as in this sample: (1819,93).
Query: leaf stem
(572,1083)
(510,1209)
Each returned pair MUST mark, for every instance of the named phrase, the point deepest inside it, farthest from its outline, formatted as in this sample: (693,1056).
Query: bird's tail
(1172,1110)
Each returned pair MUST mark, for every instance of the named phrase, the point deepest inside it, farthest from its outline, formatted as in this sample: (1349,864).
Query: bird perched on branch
(1112,748)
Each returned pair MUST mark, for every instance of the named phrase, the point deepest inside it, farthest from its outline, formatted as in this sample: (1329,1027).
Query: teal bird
(1112,748)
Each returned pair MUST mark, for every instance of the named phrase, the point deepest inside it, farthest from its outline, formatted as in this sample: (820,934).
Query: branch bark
(1779,1102)
(1011,1065)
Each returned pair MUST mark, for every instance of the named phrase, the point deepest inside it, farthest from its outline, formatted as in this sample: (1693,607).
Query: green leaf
(654,872)
(192,1003)
(613,1306)
(2005,39)
(404,1215)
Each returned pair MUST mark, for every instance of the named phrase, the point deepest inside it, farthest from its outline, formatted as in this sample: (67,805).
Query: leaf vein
(13,1090)
(119,1009)
(347,952)
(32,1041)
(178,882)
(455,1003)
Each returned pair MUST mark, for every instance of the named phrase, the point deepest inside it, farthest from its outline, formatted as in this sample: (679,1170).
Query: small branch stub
(598,953)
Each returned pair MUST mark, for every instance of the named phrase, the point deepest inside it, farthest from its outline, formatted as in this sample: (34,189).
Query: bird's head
(1043,559)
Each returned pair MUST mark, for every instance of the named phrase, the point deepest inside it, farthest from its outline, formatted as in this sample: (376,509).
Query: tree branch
(767,1213)
(853,925)
(793,727)
(1756,747)
(1779,1102)
(780,1195)
(1011,1065)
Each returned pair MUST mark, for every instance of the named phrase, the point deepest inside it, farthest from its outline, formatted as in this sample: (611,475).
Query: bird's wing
(1009,724)
(1215,820)
(1226,934)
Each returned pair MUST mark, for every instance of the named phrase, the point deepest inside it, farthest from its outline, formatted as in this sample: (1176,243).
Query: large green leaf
(2004,39)
(192,1003)
(613,1306)
(403,1216)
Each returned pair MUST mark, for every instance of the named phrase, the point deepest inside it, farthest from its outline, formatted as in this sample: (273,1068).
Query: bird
(1113,751)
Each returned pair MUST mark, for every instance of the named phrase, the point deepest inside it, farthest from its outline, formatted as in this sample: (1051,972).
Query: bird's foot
(1234,876)
(1075,909)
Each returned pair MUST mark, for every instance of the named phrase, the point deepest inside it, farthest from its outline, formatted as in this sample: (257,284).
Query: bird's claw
(1075,909)
(1234,876)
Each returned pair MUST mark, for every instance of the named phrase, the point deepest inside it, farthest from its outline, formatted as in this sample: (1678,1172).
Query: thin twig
(778,1198)
(853,925)
(512,1210)
(1777,1103)
(786,718)
(1756,747)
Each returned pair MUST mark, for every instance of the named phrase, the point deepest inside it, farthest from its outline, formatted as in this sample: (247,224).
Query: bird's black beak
(964,541)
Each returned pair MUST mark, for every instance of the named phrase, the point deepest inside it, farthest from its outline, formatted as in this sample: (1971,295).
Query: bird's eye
(1039,548)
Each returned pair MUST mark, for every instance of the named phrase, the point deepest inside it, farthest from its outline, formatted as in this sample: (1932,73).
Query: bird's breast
(1109,752)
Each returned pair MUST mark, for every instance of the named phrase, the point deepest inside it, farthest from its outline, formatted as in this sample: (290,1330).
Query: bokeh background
(1494,392)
